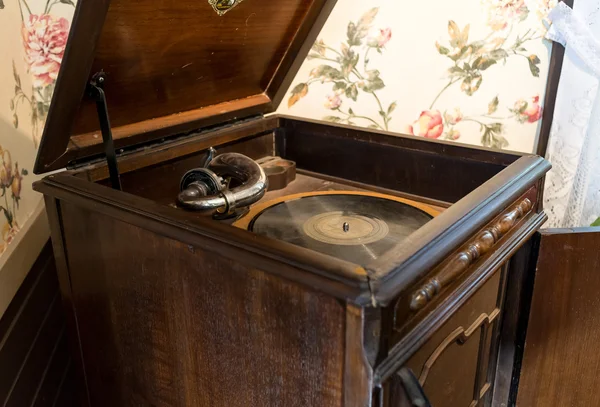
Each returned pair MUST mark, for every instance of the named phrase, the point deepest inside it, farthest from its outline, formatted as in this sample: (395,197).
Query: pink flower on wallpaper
(428,125)
(501,13)
(333,102)
(381,39)
(44,39)
(528,111)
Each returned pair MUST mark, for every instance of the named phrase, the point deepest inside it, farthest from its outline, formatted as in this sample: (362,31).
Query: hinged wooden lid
(173,67)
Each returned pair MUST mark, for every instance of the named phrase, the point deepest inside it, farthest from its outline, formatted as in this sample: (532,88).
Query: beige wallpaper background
(470,71)
(34,36)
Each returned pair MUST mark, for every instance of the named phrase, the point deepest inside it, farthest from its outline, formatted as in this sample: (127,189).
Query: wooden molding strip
(479,246)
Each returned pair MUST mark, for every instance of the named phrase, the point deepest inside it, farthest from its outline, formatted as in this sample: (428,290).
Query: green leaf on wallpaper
(471,83)
(373,126)
(535,70)
(524,11)
(466,66)
(456,70)
(328,72)
(493,105)
(366,20)
(464,35)
(24,172)
(16,75)
(319,47)
(483,63)
(339,85)
(69,2)
(373,82)
(350,111)
(498,54)
(492,137)
(349,60)
(454,33)
(476,46)
(391,108)
(352,40)
(496,127)
(356,32)
(382,113)
(458,37)
(16,121)
(352,92)
(298,93)
(334,119)
(596,222)
(441,49)
(373,74)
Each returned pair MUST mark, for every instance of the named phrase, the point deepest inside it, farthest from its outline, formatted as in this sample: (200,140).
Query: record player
(211,253)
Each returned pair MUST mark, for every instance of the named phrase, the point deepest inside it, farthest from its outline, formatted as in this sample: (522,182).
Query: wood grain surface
(561,360)
(184,327)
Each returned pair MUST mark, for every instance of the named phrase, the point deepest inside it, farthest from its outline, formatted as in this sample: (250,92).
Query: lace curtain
(572,192)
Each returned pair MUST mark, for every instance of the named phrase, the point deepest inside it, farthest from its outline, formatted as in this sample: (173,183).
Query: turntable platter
(353,226)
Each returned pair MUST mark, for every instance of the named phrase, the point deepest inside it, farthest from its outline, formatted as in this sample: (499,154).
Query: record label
(345,229)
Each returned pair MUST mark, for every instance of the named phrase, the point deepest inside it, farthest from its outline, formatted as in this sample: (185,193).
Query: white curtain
(572,192)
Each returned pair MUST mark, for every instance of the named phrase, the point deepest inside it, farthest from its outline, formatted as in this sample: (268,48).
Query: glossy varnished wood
(173,67)
(554,71)
(187,327)
(456,366)
(406,332)
(34,356)
(561,362)
(162,189)
(474,249)
(94,226)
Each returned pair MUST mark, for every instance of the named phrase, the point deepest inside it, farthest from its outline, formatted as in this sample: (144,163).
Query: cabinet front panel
(163,323)
(456,365)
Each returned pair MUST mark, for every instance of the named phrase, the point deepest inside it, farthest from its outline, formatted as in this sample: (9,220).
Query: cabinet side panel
(163,323)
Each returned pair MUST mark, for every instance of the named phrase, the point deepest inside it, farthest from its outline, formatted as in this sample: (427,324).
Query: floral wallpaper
(34,36)
(472,71)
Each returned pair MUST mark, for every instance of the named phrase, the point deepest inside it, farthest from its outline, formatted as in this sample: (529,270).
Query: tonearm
(206,190)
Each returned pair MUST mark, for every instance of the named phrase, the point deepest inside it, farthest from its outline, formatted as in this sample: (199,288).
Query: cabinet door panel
(561,360)
(455,366)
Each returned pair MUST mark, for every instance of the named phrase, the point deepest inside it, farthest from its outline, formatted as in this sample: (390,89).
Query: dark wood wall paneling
(35,366)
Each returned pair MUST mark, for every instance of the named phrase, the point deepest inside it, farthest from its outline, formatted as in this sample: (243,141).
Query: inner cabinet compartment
(439,174)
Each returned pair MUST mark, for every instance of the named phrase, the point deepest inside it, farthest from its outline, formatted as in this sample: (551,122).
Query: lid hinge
(95,91)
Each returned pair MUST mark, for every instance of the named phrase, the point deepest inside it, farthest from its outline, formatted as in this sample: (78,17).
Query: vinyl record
(353,227)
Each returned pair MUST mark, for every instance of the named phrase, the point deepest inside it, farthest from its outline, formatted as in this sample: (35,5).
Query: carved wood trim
(476,248)
(460,335)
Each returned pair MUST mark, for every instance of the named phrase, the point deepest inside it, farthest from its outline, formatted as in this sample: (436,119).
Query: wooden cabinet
(183,304)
